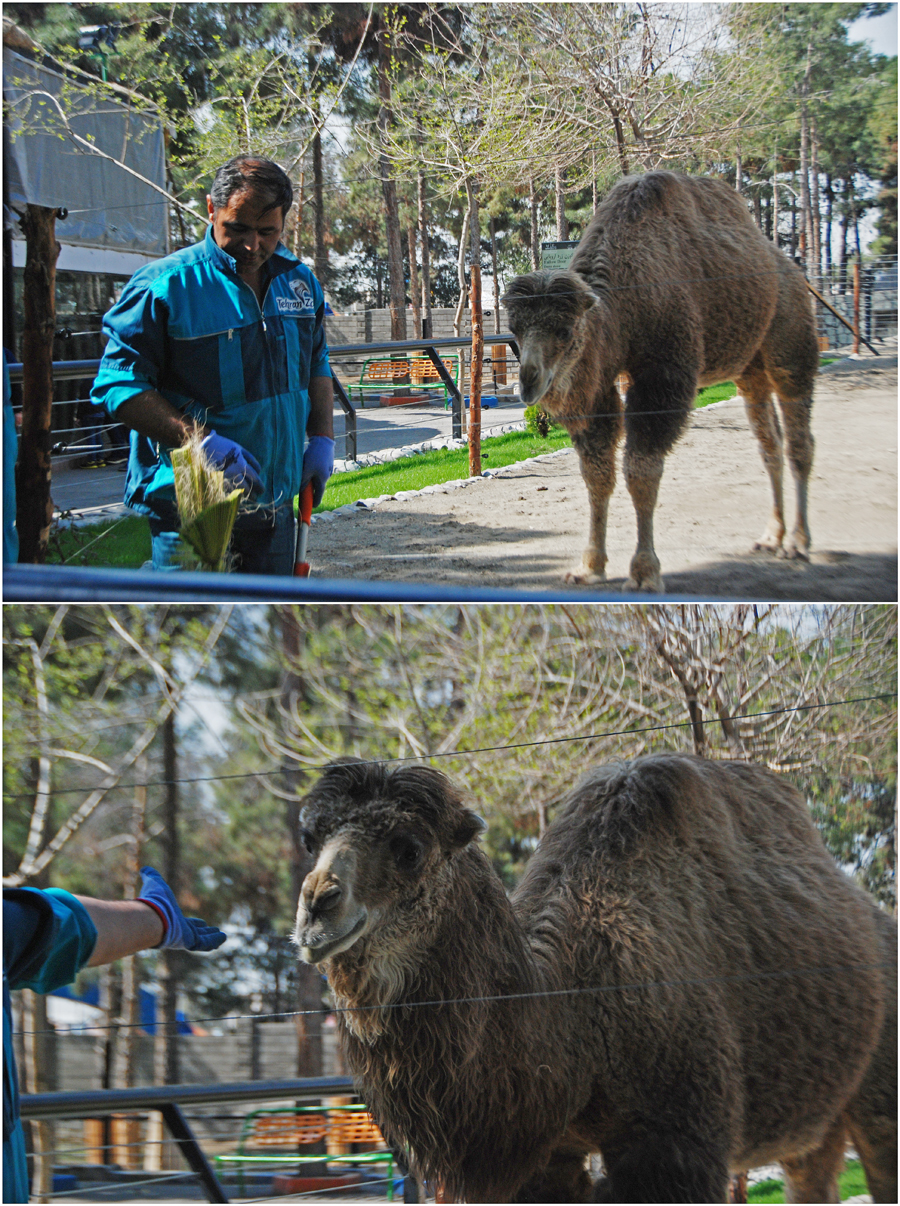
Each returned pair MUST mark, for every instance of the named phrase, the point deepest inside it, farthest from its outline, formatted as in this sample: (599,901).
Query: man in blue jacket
(226,338)
(48,936)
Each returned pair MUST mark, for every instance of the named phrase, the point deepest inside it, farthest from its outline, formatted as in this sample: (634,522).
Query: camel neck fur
(469,1065)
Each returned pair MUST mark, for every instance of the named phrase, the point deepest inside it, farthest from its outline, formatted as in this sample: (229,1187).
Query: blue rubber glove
(240,467)
(318,465)
(182,933)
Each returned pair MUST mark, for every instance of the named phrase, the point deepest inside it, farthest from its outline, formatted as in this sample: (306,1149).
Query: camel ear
(586,300)
(470,826)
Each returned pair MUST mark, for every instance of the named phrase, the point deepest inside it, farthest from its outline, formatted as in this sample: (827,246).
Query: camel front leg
(643,473)
(596,448)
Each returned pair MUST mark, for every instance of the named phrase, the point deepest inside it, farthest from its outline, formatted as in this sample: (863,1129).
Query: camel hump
(629,804)
(672,194)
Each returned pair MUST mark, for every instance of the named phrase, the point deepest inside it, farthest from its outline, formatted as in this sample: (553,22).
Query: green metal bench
(384,374)
(266,1134)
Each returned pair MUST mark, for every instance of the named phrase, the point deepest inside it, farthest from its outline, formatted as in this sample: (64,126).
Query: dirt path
(525,527)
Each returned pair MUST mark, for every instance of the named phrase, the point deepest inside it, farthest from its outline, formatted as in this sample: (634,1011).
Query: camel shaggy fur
(673,286)
(683,981)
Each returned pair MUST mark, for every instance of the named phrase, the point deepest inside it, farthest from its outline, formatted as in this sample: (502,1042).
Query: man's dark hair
(252,172)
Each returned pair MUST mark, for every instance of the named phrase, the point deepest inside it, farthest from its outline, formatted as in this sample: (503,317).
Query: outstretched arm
(124,927)
(154,919)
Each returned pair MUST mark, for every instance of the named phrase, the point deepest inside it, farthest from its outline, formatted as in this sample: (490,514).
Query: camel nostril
(325,899)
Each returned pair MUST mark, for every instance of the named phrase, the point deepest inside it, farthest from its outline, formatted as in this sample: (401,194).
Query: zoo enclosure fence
(74,432)
(875,305)
(156,1163)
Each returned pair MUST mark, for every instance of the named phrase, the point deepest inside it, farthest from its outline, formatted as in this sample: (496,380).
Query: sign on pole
(558,255)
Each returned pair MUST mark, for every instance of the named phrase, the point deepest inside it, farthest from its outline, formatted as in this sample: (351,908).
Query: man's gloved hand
(240,467)
(318,465)
(182,933)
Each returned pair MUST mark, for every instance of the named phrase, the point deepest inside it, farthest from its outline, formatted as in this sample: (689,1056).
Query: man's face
(247,228)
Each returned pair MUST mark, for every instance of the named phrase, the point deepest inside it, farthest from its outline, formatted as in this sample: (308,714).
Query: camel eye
(564,334)
(407,853)
(308,840)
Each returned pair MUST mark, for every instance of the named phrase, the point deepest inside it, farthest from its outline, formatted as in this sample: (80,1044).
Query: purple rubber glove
(318,465)
(182,933)
(240,467)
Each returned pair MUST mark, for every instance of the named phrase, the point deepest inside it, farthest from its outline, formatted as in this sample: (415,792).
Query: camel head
(546,314)
(383,840)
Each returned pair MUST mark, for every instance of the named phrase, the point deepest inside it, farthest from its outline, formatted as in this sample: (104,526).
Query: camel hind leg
(795,415)
(871,1115)
(756,389)
(813,1177)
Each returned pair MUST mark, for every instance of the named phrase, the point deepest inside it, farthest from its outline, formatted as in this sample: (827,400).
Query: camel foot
(768,544)
(646,586)
(581,576)
(588,571)
(643,574)
(794,553)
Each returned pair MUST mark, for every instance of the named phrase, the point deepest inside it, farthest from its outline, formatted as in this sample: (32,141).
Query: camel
(674,287)
(683,981)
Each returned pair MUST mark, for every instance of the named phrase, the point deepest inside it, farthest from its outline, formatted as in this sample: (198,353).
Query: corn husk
(207,509)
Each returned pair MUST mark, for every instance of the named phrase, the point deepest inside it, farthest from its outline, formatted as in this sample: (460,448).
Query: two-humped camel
(675,287)
(683,981)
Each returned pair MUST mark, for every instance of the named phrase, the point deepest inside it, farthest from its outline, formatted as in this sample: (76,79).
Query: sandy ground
(523,528)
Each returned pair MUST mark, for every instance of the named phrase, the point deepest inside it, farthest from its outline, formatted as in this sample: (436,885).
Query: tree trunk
(829,220)
(739,174)
(535,233)
(461,273)
(126,1127)
(477,339)
(309,983)
(593,182)
(34,506)
(414,281)
(320,257)
(397,298)
(845,228)
(165,1047)
(298,225)
(426,257)
(562,223)
(775,213)
(805,210)
(815,210)
(498,351)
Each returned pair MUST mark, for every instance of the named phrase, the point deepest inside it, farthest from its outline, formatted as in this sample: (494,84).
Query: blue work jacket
(190,328)
(47,938)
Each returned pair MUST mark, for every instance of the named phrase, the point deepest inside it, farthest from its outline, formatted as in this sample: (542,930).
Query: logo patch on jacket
(301,303)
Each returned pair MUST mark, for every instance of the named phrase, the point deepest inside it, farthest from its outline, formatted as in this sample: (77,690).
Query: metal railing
(171,1100)
(72,370)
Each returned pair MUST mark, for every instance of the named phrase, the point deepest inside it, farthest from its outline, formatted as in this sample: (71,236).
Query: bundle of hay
(206,508)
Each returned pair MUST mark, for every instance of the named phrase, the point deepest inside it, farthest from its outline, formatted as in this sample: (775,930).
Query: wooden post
(475,375)
(855,307)
(34,506)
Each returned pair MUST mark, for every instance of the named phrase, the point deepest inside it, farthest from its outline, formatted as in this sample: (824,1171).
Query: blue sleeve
(135,356)
(47,938)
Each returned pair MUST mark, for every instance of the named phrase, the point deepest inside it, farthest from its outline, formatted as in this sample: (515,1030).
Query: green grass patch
(433,468)
(716,393)
(114,544)
(852,1183)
